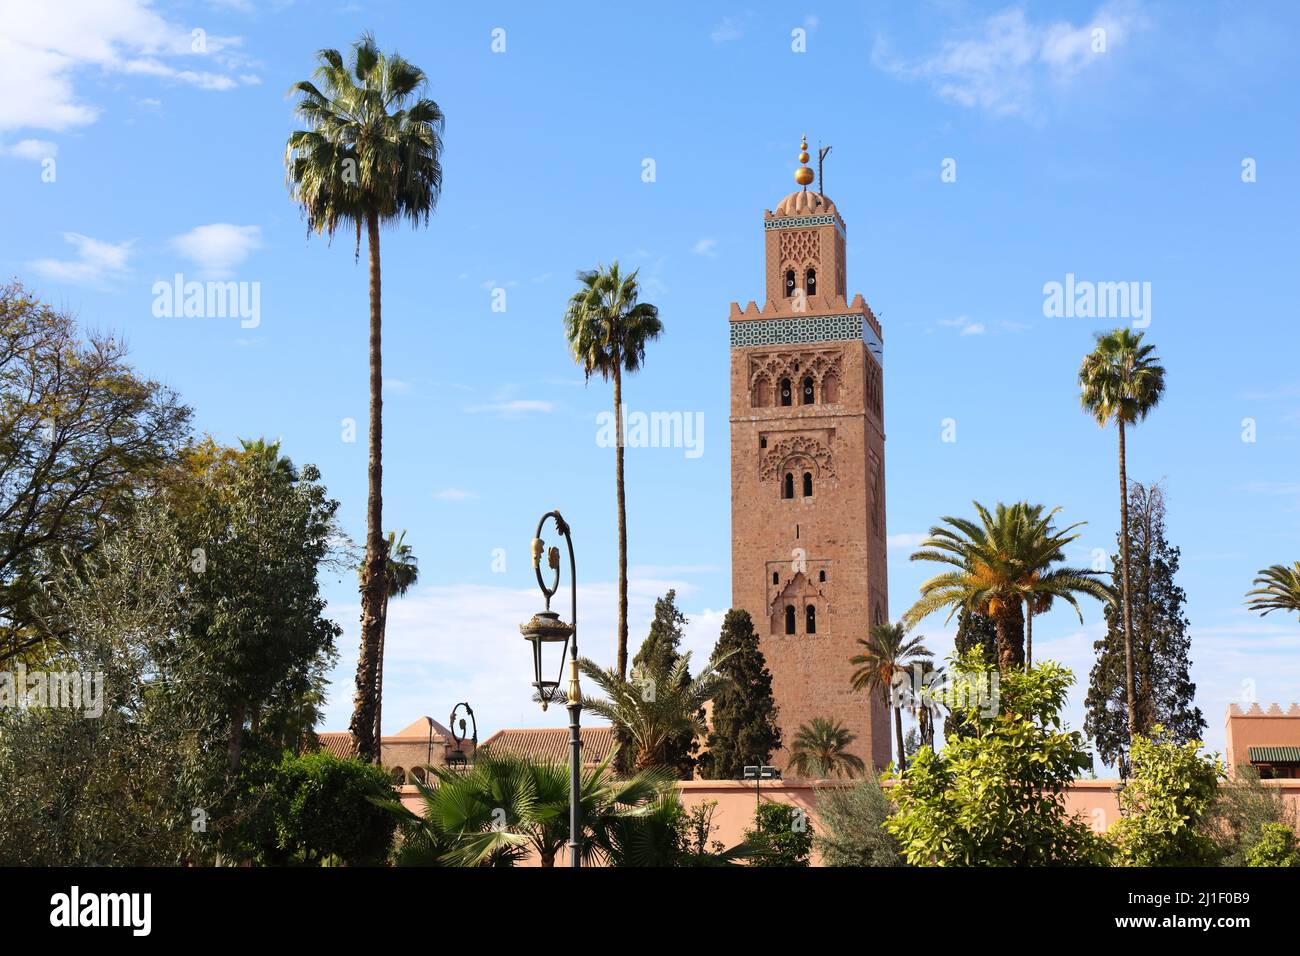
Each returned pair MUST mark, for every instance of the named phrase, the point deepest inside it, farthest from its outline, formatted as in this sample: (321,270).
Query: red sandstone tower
(808,472)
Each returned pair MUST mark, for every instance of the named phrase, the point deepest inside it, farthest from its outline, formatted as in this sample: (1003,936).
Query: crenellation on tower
(808,491)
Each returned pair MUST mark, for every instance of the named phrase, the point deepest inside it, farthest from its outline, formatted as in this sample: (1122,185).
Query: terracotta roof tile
(336,743)
(551,744)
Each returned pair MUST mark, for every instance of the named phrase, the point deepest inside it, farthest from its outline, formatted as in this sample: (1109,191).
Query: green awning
(1274,754)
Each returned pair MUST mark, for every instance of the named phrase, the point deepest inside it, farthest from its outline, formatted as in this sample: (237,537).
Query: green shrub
(852,826)
(1276,846)
(1242,810)
(1164,805)
(782,836)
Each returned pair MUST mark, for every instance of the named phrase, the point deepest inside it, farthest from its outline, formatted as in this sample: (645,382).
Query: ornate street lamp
(458,755)
(543,630)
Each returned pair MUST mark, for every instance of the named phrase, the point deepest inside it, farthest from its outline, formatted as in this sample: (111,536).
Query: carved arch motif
(783,454)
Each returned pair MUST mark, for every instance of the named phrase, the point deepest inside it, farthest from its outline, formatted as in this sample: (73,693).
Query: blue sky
(1122,165)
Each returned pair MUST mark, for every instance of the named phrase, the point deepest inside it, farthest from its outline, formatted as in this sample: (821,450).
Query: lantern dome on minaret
(803,175)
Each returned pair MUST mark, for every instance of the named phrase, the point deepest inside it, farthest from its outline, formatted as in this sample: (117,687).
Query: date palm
(655,706)
(370,155)
(821,748)
(887,653)
(1121,380)
(402,571)
(1279,591)
(608,329)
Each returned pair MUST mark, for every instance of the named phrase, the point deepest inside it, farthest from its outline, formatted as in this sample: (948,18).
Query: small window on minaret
(762,441)
(776,577)
(806,393)
(811,284)
(821,576)
(810,623)
(789,618)
(807,484)
(789,284)
(787,486)
(785,391)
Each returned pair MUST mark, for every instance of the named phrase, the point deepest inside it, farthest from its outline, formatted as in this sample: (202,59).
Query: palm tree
(504,807)
(402,571)
(821,749)
(888,652)
(1001,561)
(655,707)
(1121,381)
(608,330)
(1280,590)
(370,155)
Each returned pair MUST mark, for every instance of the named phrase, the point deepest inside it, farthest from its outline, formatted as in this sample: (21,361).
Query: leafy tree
(974,632)
(744,728)
(1005,559)
(1160,643)
(258,530)
(851,828)
(886,655)
(781,836)
(1279,589)
(81,436)
(608,329)
(1172,790)
(821,750)
(1121,380)
(402,571)
(1276,847)
(658,653)
(319,809)
(1244,811)
(655,709)
(504,807)
(996,797)
(371,154)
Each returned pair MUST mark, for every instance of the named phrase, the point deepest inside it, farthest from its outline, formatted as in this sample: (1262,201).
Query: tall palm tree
(656,707)
(888,652)
(1121,380)
(1280,590)
(821,749)
(1000,561)
(401,571)
(370,155)
(608,330)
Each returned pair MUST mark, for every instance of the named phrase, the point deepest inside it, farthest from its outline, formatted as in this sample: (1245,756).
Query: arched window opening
(806,393)
(807,484)
(785,391)
(810,624)
(417,773)
(789,283)
(776,577)
(787,486)
(789,618)
(811,282)
(397,775)
(821,576)
(830,389)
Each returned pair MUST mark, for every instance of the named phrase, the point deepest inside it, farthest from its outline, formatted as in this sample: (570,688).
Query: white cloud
(96,261)
(905,541)
(705,247)
(726,31)
(217,248)
(34,149)
(1000,68)
(454,494)
(396,386)
(517,406)
(45,46)
(965,324)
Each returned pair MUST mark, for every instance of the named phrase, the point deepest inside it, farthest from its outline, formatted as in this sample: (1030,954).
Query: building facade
(808,552)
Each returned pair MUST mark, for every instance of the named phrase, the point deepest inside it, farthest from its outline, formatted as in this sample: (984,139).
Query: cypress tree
(974,630)
(744,728)
(1161,644)
(657,655)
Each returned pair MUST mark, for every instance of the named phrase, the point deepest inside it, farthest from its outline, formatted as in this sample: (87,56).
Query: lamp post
(758,773)
(544,628)
(460,737)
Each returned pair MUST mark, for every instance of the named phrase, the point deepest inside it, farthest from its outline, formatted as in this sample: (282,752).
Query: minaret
(808,546)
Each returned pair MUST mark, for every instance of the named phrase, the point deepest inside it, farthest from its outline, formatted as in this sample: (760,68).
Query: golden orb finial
(803,175)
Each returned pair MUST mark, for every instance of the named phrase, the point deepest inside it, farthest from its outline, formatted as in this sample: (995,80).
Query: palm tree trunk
(1029,634)
(1128,618)
(898,737)
(1011,639)
(373,583)
(622,521)
(379,680)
